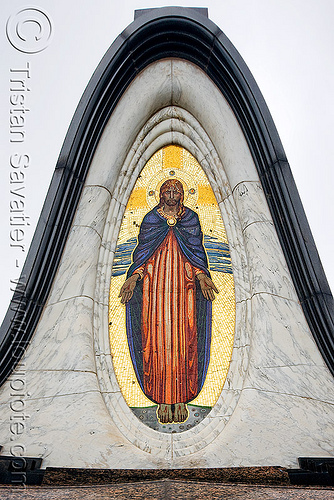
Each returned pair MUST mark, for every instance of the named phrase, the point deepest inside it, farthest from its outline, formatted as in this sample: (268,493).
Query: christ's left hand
(207,286)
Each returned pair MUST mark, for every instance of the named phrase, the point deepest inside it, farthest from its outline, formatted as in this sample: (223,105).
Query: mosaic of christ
(176,266)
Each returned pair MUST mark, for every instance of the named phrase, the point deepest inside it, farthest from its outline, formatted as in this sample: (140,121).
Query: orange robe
(169,330)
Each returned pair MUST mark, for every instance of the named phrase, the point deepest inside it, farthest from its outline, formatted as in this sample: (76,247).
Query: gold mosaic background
(174,162)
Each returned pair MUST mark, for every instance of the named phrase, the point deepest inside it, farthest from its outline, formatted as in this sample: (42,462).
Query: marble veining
(277,401)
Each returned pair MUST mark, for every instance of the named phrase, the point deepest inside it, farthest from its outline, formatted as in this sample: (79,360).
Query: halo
(189,186)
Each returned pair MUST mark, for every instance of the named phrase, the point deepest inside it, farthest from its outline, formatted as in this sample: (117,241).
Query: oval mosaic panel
(172,302)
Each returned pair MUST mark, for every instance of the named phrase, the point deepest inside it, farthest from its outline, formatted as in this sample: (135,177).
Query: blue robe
(153,231)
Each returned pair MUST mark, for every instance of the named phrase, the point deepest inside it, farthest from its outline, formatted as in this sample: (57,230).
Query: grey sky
(287,44)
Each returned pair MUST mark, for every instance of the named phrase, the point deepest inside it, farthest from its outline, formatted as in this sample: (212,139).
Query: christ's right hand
(128,287)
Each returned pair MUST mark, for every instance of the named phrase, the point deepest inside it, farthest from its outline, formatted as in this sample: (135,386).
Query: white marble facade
(278,400)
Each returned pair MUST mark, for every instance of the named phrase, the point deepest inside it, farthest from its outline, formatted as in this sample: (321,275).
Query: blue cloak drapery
(153,231)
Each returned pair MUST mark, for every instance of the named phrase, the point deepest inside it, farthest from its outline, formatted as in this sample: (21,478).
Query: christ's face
(171,197)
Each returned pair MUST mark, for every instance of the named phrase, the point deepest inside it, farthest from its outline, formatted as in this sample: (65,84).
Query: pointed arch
(155,35)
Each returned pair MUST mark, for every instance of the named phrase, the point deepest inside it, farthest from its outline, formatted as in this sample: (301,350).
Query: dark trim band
(161,33)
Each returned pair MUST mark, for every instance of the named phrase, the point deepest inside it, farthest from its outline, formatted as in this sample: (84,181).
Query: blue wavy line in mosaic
(218,255)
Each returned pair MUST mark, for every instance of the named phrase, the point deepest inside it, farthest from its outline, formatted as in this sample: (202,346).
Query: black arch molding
(156,34)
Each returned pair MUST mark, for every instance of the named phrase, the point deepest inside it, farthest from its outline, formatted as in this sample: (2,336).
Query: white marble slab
(283,354)
(268,270)
(93,205)
(76,273)
(63,340)
(75,431)
(250,201)
(49,384)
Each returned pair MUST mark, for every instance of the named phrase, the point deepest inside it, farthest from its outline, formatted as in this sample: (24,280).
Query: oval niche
(171,352)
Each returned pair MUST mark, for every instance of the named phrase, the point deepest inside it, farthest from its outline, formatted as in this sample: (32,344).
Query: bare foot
(181,412)
(165,414)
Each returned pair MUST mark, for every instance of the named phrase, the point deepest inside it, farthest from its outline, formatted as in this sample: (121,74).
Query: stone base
(168,489)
